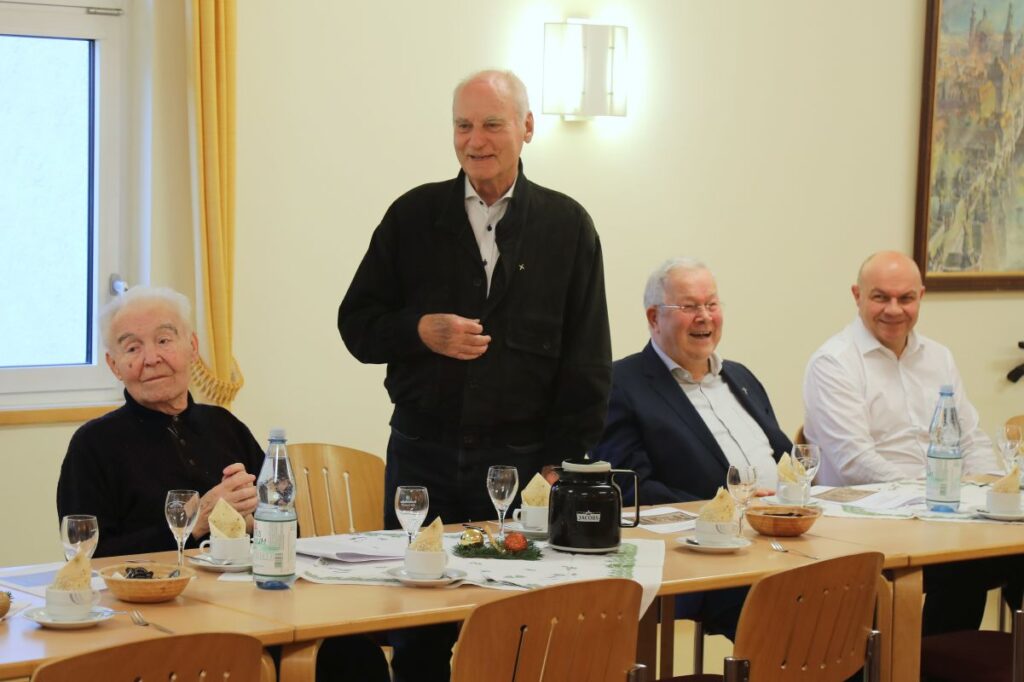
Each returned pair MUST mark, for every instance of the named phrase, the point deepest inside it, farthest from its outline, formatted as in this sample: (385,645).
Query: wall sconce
(584,70)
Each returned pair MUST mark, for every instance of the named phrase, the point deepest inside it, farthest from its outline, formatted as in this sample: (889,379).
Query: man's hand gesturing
(453,336)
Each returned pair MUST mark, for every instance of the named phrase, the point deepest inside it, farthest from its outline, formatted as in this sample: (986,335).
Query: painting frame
(947,215)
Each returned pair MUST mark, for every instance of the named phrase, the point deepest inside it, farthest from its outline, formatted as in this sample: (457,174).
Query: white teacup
(233,550)
(1004,503)
(425,565)
(532,518)
(717,533)
(70,604)
(789,492)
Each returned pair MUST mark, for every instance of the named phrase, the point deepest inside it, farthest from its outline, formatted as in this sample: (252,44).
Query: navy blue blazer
(654,429)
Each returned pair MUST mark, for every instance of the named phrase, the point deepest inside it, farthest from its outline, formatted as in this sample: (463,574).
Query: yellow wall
(778,141)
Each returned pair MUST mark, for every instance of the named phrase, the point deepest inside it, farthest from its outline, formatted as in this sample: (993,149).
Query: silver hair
(142,295)
(512,84)
(654,292)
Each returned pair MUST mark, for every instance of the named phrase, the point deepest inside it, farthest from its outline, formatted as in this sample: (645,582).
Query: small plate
(208,565)
(690,542)
(999,517)
(516,527)
(97,615)
(450,575)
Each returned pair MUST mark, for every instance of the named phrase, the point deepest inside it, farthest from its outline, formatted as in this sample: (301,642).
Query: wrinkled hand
(236,488)
(453,336)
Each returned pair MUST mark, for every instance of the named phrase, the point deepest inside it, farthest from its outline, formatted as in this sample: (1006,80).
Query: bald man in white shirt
(869,395)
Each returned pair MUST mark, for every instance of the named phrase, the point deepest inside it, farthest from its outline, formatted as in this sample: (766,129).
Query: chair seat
(967,656)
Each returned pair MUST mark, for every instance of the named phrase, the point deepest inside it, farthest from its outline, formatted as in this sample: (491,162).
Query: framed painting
(969,231)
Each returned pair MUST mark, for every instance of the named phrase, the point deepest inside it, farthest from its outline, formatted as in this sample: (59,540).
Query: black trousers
(456,481)
(955,593)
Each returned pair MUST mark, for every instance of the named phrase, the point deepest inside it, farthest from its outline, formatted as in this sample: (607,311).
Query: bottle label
(943,481)
(273,547)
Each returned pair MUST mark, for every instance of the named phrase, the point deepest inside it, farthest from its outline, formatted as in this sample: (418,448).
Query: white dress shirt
(737,433)
(484,221)
(869,411)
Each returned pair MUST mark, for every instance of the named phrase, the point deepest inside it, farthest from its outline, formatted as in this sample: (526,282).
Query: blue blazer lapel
(665,385)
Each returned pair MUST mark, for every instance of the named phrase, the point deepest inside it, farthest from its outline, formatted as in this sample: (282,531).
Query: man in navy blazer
(679,415)
(681,428)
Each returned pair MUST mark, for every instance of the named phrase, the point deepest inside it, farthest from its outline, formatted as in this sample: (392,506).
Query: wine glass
(1008,440)
(79,533)
(502,484)
(809,456)
(182,512)
(411,505)
(741,481)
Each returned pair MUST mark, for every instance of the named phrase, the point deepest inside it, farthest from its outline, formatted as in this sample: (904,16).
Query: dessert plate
(516,527)
(218,567)
(690,542)
(999,517)
(450,576)
(97,615)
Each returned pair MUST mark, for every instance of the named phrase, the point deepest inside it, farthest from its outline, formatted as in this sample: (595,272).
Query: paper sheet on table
(639,560)
(891,499)
(664,520)
(386,545)
(35,579)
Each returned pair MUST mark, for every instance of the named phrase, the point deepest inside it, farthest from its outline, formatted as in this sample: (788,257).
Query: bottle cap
(277,433)
(946,389)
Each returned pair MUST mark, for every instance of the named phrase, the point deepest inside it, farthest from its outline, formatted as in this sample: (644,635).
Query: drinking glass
(502,484)
(79,533)
(741,481)
(809,457)
(182,511)
(411,505)
(1008,440)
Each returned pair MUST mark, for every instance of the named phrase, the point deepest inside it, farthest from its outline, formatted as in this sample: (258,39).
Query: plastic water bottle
(275,527)
(945,461)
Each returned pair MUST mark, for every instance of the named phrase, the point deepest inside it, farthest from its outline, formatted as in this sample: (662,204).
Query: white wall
(778,141)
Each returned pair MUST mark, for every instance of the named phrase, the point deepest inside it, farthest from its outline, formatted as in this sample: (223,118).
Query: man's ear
(855,290)
(113,366)
(193,342)
(528,124)
(652,317)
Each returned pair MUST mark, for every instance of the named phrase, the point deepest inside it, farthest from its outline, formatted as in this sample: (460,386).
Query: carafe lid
(586,466)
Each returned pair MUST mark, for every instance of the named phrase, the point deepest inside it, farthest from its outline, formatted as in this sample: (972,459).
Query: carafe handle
(636,498)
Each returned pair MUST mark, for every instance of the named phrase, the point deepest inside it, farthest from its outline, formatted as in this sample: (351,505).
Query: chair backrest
(208,657)
(812,622)
(582,631)
(340,490)
(800,438)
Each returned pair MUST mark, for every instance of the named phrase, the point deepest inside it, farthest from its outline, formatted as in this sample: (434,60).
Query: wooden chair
(808,623)
(340,490)
(583,631)
(972,655)
(208,657)
(800,438)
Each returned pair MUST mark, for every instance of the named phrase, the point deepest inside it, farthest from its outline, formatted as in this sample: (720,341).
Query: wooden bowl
(146,590)
(782,520)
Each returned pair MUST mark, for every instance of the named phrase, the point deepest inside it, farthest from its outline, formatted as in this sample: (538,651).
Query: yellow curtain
(216,376)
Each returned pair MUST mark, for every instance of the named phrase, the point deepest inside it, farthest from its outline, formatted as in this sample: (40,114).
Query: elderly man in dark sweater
(119,467)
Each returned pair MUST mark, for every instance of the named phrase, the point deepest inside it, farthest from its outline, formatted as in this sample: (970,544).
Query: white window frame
(34,388)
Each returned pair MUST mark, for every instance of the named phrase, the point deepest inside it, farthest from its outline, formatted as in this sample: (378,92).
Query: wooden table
(300,617)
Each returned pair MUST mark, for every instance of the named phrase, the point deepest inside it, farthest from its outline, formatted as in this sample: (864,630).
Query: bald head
(888,293)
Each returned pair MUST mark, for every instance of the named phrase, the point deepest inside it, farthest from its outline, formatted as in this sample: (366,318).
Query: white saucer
(97,615)
(690,542)
(450,575)
(999,517)
(516,527)
(208,565)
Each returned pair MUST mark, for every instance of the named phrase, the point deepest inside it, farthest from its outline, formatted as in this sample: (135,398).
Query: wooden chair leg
(667,643)
(268,672)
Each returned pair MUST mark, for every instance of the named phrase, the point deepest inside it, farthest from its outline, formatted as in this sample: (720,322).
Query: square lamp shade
(584,70)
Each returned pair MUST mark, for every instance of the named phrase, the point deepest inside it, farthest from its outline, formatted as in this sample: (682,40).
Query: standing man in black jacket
(485,297)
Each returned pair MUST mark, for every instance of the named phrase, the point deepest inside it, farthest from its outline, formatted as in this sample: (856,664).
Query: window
(61,124)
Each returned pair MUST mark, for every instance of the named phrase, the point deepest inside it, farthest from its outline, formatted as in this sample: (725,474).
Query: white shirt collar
(714,363)
(472,194)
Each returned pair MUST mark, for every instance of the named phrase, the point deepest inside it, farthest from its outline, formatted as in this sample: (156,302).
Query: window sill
(55,415)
